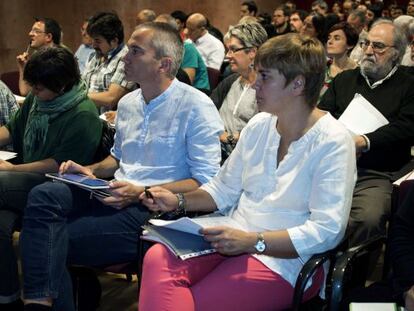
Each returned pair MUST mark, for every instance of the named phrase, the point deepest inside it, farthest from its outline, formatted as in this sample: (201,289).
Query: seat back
(351,270)
(213,77)
(11,79)
(107,141)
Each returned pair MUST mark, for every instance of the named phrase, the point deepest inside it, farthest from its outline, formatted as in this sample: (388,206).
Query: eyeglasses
(232,50)
(37,31)
(377,47)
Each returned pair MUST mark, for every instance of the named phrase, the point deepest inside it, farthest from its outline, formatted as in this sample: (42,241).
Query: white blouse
(309,193)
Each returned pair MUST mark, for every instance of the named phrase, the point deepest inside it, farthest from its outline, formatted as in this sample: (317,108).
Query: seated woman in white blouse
(288,183)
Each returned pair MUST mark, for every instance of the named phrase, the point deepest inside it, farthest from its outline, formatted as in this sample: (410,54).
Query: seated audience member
(320,7)
(104,74)
(83,53)
(290,147)
(396,11)
(357,19)
(210,48)
(315,26)
(235,96)
(8,104)
(280,21)
(180,18)
(290,5)
(192,62)
(373,12)
(387,149)
(296,20)
(45,32)
(410,8)
(167,133)
(145,16)
(57,122)
(348,6)
(337,9)
(404,22)
(410,69)
(248,8)
(341,40)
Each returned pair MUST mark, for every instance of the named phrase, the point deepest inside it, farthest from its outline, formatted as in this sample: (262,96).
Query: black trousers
(14,188)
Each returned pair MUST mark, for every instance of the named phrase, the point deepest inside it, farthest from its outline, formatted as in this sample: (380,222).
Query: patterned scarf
(43,112)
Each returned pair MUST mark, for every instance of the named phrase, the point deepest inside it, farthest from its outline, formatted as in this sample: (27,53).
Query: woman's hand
(123,194)
(162,200)
(73,167)
(230,241)
(6,165)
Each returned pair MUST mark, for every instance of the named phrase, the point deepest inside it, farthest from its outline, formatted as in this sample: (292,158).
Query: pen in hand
(148,194)
(29,47)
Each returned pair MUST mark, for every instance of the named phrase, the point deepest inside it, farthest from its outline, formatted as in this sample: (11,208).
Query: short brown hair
(296,55)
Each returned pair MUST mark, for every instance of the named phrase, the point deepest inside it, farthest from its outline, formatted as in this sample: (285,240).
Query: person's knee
(155,253)
(47,198)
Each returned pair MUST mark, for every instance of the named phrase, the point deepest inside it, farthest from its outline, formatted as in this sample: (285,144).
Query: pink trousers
(213,282)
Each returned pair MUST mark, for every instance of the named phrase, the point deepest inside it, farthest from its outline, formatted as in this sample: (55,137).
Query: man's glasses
(37,31)
(377,47)
(232,50)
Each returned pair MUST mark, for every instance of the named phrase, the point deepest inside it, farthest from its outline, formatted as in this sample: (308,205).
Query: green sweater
(73,135)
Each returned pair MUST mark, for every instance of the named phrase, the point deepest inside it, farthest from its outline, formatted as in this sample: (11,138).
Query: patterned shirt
(8,104)
(99,74)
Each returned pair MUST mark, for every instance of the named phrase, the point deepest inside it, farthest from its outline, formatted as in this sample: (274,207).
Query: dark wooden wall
(17,18)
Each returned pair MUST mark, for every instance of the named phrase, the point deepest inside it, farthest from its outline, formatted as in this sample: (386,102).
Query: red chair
(213,77)
(11,79)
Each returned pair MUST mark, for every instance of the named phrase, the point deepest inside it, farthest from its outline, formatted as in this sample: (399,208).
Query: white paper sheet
(361,117)
(7,155)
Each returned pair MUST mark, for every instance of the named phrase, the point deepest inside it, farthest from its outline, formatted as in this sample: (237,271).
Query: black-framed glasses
(232,50)
(377,47)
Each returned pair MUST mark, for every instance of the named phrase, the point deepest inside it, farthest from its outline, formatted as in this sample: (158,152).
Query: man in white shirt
(210,48)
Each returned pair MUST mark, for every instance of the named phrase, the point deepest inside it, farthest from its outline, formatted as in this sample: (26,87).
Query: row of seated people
(177,134)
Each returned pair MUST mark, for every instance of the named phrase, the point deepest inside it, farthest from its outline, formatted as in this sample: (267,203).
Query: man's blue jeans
(63,225)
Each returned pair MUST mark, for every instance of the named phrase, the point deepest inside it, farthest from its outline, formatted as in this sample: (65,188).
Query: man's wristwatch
(260,245)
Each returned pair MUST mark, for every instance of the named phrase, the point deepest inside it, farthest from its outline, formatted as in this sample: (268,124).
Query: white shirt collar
(379,82)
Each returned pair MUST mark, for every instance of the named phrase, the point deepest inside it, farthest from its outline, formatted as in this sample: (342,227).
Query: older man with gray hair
(381,152)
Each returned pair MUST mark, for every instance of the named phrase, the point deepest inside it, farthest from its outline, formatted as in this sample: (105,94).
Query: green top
(74,134)
(192,59)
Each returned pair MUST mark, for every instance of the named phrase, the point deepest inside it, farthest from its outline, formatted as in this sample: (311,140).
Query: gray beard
(375,72)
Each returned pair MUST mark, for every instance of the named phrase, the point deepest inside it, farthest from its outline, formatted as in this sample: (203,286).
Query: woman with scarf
(57,122)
